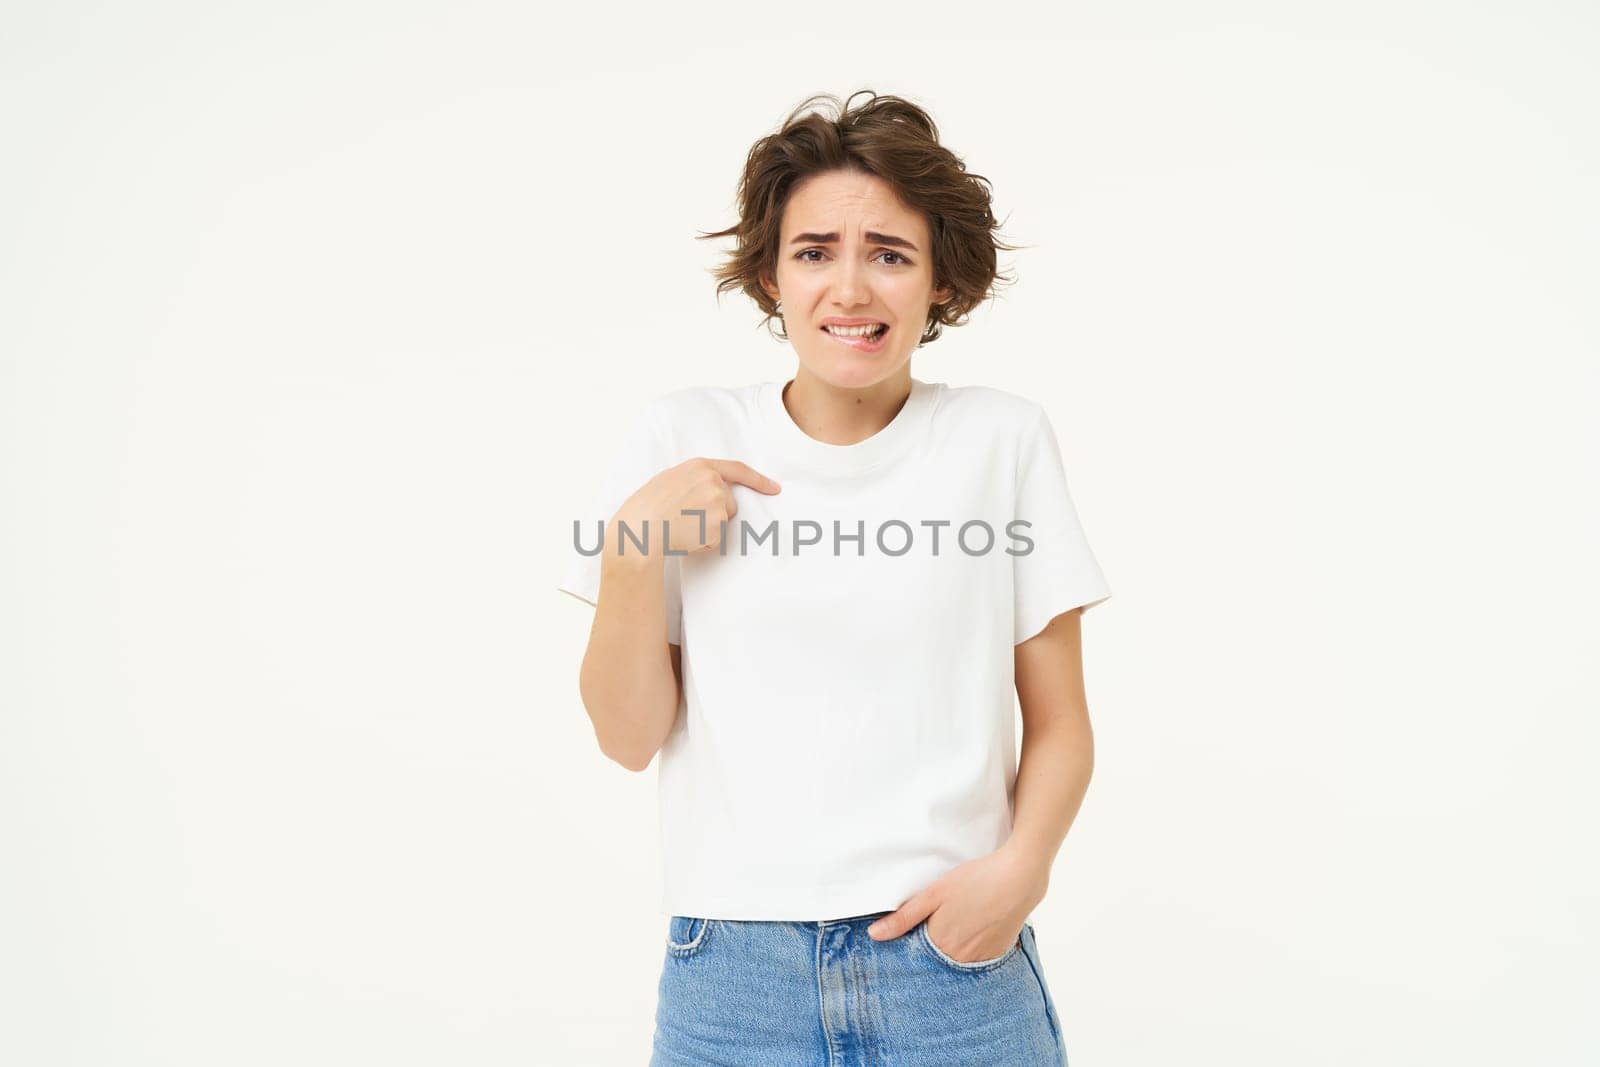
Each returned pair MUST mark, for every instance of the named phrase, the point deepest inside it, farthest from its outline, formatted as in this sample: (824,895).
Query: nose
(850,285)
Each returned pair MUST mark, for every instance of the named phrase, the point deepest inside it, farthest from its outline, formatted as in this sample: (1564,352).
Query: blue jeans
(743,993)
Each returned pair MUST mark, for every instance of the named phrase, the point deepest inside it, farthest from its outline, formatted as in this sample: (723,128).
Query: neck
(837,415)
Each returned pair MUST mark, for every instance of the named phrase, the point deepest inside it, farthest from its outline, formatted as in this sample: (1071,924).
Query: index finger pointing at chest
(735,471)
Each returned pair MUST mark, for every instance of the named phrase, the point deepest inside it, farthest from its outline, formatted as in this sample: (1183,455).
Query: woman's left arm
(1057,742)
(981,904)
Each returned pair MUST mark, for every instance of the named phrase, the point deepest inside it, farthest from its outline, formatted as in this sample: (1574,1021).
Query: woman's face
(849,249)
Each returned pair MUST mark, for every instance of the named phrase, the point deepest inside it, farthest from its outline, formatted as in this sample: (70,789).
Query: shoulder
(699,419)
(691,402)
(997,410)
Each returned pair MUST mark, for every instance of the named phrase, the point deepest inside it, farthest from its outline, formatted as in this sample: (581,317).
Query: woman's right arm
(631,677)
(629,680)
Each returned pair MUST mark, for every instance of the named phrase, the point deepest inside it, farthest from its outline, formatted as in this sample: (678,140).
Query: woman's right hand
(631,680)
(698,484)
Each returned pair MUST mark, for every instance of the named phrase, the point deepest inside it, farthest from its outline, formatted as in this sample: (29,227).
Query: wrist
(1031,863)
(631,562)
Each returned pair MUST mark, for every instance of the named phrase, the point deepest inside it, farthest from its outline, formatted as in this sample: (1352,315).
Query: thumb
(904,918)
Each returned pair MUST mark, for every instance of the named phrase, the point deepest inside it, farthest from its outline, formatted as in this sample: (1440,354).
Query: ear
(768,288)
(941,296)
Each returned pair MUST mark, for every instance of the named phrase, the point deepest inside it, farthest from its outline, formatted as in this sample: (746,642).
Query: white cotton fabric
(846,730)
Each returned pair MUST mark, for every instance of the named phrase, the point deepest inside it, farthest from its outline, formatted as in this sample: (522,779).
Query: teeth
(853,331)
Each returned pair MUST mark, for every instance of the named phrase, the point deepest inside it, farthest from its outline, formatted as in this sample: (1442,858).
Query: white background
(317,321)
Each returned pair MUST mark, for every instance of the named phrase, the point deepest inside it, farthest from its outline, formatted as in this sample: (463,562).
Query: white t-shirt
(846,732)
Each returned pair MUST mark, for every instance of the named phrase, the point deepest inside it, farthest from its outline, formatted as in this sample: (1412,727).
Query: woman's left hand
(981,906)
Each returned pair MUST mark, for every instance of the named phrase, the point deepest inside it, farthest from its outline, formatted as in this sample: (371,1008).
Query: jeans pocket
(1030,948)
(958,965)
(686,935)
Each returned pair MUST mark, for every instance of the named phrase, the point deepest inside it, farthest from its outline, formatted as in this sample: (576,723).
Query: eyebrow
(873,238)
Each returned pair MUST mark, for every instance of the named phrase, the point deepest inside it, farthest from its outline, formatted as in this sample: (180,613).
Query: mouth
(861,339)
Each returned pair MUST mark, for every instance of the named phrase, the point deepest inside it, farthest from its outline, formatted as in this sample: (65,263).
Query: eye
(899,260)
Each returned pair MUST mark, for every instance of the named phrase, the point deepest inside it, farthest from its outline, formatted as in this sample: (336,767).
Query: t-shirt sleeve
(1059,572)
(638,457)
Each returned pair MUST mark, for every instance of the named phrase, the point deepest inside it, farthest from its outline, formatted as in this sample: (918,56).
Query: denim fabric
(744,993)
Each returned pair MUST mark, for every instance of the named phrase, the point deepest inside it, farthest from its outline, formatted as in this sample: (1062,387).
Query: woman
(815,600)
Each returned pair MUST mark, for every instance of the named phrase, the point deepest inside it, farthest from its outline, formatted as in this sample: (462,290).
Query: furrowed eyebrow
(873,238)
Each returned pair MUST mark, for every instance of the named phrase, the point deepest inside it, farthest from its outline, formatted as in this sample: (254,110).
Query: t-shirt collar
(886,444)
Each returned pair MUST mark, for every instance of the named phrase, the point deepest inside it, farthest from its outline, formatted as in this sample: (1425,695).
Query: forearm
(627,682)
(1052,777)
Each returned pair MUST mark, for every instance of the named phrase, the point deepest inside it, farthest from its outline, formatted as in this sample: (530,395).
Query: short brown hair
(897,141)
